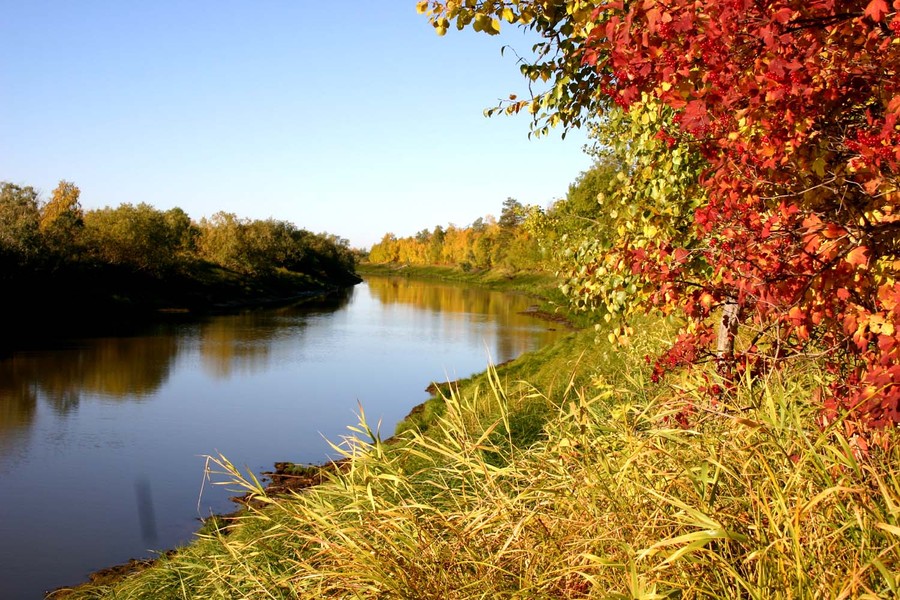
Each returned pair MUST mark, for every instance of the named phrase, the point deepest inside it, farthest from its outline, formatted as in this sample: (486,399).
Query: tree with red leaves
(785,114)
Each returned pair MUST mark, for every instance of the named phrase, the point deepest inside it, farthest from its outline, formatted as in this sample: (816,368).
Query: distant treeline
(523,238)
(57,233)
(506,243)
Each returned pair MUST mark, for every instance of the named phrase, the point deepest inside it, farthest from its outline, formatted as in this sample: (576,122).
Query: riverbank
(91,300)
(570,473)
(293,477)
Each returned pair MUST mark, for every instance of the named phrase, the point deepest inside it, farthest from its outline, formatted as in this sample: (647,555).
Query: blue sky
(353,118)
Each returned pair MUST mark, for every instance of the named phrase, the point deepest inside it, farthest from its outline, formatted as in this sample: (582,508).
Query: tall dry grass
(616,500)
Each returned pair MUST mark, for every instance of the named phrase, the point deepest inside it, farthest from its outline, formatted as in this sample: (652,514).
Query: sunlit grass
(612,498)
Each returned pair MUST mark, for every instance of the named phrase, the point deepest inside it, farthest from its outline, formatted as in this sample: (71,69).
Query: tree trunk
(728,327)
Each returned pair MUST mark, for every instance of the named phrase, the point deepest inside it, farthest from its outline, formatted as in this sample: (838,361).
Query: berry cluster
(873,148)
(668,59)
(779,84)
(610,91)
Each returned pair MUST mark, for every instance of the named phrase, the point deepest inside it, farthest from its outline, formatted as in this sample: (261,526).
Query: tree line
(510,243)
(58,233)
(523,238)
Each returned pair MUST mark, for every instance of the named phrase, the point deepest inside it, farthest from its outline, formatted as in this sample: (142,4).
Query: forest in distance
(134,259)
(523,238)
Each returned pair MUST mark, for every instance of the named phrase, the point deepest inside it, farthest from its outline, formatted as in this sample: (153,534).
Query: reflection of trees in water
(510,346)
(115,367)
(137,366)
(18,403)
(518,335)
(242,343)
(236,343)
(445,298)
(329,303)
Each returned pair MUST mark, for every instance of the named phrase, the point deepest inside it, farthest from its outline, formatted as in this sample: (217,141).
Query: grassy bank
(620,489)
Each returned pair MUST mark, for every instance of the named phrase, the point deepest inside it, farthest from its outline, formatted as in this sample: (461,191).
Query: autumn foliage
(793,108)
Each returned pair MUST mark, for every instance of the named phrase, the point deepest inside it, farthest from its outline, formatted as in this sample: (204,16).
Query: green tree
(62,221)
(139,236)
(483,249)
(20,240)
(436,245)
(181,233)
(220,240)
(328,256)
(512,215)
(267,245)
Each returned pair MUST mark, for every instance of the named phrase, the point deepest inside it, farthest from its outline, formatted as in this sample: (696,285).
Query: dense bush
(139,236)
(257,247)
(759,191)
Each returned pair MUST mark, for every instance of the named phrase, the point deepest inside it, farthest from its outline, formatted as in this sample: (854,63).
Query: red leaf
(652,18)
(876,9)
(783,15)
(894,104)
(695,115)
(858,256)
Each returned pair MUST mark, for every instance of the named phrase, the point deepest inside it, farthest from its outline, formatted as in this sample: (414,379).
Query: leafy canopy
(761,148)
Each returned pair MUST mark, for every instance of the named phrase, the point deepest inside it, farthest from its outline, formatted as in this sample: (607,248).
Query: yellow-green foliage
(616,500)
(508,244)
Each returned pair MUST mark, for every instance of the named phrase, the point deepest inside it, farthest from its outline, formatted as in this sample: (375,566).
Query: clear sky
(348,117)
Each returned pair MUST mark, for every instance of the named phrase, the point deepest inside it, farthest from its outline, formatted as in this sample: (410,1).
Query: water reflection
(442,298)
(506,328)
(236,344)
(18,405)
(243,343)
(136,367)
(116,368)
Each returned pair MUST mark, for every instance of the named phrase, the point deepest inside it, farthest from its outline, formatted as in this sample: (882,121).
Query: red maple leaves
(795,106)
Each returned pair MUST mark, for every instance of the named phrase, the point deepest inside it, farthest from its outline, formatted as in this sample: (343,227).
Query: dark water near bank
(102,440)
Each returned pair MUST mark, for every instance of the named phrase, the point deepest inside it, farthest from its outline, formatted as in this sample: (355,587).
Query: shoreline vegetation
(67,271)
(564,473)
(729,424)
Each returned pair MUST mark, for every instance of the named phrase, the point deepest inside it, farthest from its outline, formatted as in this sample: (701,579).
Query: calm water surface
(102,440)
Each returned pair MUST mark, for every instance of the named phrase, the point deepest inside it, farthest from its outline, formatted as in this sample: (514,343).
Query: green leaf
(818,166)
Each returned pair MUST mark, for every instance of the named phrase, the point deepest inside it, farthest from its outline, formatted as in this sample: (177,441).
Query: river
(102,440)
